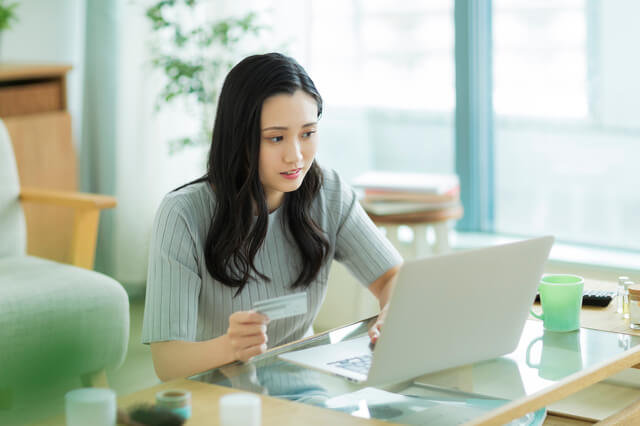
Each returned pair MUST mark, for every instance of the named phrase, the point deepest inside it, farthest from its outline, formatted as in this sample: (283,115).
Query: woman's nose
(293,152)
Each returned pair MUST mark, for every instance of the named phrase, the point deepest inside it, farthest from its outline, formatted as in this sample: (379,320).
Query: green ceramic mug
(561,301)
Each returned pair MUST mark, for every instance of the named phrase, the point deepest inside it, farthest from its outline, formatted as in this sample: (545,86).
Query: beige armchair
(86,208)
(56,320)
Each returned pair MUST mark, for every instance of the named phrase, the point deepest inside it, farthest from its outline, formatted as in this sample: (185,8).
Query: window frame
(474,142)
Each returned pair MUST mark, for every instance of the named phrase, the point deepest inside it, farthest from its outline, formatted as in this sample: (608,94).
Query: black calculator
(600,298)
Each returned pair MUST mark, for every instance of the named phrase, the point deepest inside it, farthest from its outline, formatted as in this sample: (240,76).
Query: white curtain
(124,148)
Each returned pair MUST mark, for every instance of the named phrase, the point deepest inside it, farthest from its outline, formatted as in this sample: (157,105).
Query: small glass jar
(176,400)
(621,293)
(625,299)
(634,306)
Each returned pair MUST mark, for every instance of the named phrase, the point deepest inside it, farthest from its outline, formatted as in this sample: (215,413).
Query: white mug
(90,406)
(240,409)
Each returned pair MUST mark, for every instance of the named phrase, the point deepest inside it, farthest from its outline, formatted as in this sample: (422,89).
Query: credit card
(283,306)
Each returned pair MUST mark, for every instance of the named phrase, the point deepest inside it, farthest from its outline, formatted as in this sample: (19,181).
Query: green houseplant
(7,14)
(194,54)
(7,17)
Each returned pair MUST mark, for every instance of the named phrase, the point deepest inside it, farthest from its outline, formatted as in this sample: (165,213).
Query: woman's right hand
(247,334)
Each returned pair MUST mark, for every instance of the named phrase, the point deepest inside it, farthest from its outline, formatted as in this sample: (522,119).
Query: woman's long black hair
(232,170)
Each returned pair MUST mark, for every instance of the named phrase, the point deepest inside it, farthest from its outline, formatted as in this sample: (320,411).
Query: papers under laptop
(445,311)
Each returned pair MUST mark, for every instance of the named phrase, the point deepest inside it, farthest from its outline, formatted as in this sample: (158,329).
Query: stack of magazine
(392,193)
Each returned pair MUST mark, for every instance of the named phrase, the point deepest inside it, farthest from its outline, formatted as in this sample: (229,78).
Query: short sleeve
(360,245)
(173,280)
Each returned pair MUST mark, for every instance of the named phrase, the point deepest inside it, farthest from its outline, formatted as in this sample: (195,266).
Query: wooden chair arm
(75,200)
(86,208)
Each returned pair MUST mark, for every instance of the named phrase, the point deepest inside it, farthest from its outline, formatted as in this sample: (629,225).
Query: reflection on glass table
(448,397)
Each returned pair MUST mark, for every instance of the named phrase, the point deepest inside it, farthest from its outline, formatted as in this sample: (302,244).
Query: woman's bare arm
(177,358)
(382,288)
(245,338)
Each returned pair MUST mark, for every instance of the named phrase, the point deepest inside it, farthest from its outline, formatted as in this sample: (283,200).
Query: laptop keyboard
(358,364)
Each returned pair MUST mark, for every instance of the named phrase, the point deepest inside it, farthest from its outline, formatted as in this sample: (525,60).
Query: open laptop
(445,311)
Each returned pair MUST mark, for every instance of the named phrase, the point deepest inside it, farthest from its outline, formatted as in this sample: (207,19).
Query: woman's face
(288,143)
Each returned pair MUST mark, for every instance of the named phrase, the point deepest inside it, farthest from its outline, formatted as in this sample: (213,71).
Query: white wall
(51,32)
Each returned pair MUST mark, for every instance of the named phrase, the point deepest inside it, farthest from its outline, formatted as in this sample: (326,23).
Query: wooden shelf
(18,72)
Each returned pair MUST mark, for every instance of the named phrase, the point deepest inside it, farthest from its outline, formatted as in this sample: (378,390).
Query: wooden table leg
(420,243)
(441,244)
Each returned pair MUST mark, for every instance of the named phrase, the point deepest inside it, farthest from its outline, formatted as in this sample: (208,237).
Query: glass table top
(452,396)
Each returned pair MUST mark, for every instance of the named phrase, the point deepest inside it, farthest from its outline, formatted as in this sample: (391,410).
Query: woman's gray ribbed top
(184,302)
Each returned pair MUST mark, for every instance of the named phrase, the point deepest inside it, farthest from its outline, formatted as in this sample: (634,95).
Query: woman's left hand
(374,331)
(381,289)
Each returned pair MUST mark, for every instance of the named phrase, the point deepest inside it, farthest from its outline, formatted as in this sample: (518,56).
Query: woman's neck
(274,201)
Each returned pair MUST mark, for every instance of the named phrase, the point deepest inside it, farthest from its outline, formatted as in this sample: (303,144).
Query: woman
(264,221)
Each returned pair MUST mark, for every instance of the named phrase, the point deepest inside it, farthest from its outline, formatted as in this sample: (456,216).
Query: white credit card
(282,307)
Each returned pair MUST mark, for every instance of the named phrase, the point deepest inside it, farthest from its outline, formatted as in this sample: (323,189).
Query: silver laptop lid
(458,308)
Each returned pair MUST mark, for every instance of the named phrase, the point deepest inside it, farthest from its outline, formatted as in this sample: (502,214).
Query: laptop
(445,311)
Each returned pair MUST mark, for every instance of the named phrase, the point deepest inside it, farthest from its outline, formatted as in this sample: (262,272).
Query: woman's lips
(291,174)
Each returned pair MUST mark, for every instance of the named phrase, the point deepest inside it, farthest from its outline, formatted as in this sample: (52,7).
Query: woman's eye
(308,134)
(275,138)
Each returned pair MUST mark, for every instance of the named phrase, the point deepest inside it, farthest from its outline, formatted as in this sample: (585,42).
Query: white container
(90,406)
(240,409)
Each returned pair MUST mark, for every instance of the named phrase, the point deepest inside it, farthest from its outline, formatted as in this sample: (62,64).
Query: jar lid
(634,289)
(173,398)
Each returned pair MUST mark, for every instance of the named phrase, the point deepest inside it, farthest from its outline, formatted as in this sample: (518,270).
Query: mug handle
(528,358)
(540,317)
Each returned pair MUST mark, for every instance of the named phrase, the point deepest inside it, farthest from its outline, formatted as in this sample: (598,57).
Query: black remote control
(600,298)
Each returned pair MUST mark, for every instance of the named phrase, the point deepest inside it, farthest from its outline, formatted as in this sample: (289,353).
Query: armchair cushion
(57,319)
(12,226)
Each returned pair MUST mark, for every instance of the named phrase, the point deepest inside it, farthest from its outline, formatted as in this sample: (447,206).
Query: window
(386,72)
(566,96)
(567,129)
(540,59)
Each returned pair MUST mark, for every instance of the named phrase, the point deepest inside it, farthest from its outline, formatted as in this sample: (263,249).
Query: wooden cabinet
(33,105)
